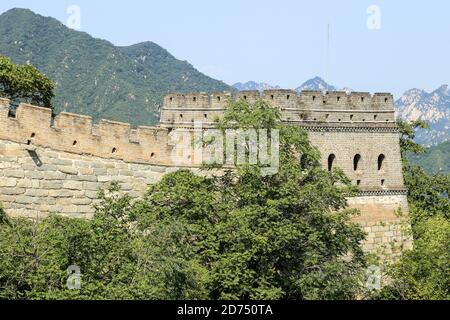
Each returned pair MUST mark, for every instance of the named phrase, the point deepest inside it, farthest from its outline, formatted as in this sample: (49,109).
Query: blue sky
(281,42)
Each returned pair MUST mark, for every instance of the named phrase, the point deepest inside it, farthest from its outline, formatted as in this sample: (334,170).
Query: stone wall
(182,110)
(385,220)
(42,181)
(340,125)
(58,164)
(39,181)
(379,166)
(77,134)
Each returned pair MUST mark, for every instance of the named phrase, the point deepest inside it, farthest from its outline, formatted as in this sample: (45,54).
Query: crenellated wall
(77,134)
(58,165)
(344,127)
(341,125)
(309,106)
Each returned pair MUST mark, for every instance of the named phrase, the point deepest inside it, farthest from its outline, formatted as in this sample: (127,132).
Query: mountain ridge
(95,77)
(435,160)
(432,107)
(127,83)
(253,85)
(315,84)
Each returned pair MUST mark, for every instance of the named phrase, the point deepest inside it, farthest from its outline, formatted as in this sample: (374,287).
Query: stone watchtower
(356,132)
(58,165)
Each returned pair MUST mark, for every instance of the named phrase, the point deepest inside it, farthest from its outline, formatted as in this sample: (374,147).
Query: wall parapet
(77,157)
(75,133)
(182,110)
(283,98)
(352,133)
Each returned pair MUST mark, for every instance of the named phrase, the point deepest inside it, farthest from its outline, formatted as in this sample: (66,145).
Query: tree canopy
(227,234)
(230,234)
(424,272)
(24,83)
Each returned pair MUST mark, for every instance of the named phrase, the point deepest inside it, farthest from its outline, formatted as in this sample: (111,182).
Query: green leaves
(265,237)
(24,83)
(244,115)
(116,259)
(408,133)
(3,217)
(428,194)
(237,235)
(423,272)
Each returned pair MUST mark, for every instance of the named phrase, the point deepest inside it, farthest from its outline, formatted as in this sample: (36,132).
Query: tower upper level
(308,107)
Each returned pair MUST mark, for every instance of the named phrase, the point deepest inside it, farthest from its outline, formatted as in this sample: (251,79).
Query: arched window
(331,159)
(381,159)
(356,162)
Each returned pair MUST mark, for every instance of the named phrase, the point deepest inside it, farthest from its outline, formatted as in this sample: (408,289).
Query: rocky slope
(432,107)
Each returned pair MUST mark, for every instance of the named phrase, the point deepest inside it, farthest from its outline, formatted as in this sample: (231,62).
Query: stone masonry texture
(59,165)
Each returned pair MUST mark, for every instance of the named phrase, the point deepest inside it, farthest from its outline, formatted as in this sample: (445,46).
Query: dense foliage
(234,235)
(24,83)
(116,260)
(424,272)
(93,76)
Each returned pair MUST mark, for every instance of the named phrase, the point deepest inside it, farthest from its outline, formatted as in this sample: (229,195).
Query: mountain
(93,76)
(436,160)
(414,104)
(316,84)
(432,107)
(252,85)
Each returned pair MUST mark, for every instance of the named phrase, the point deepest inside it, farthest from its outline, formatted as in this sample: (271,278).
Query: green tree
(3,217)
(116,260)
(407,135)
(228,234)
(428,194)
(24,83)
(284,236)
(423,272)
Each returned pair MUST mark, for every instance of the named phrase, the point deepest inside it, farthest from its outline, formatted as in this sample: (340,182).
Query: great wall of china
(57,165)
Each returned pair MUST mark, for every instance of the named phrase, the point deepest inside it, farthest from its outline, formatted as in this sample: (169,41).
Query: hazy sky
(282,42)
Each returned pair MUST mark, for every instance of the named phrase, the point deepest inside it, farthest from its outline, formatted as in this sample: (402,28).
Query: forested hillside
(435,160)
(93,76)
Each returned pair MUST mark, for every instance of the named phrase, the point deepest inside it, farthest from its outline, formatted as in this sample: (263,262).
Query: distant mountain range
(432,107)
(96,78)
(93,76)
(316,83)
(252,85)
(414,104)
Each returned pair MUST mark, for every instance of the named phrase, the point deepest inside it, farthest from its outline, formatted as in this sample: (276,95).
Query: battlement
(196,100)
(33,126)
(58,165)
(315,111)
(183,110)
(283,98)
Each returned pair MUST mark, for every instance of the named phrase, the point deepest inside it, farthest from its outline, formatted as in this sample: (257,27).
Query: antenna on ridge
(327,70)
